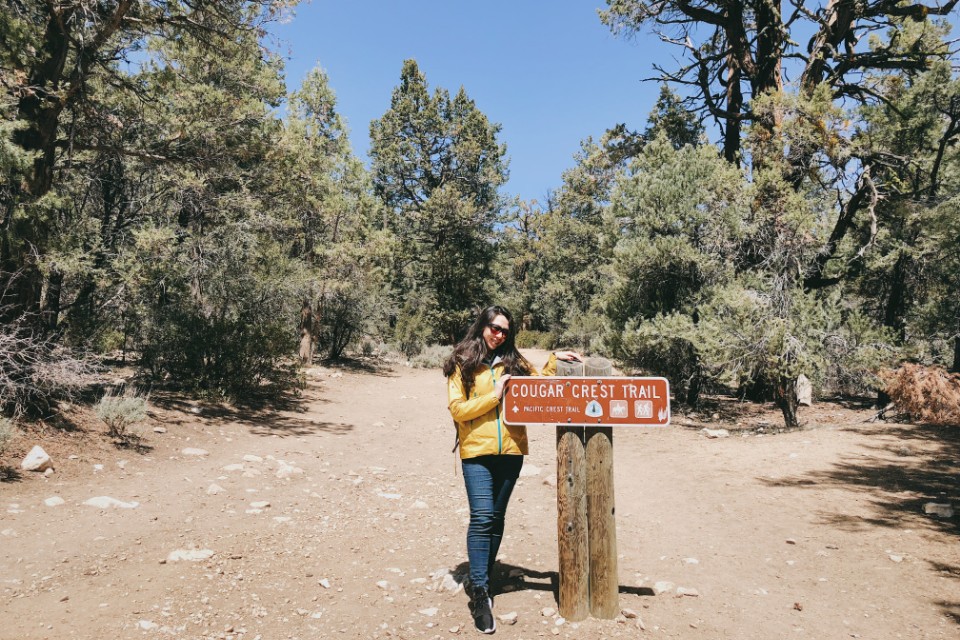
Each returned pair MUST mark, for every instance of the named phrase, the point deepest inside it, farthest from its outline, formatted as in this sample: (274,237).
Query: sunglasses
(497,329)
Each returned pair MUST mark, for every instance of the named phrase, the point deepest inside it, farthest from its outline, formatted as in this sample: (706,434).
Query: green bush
(535,340)
(431,357)
(121,412)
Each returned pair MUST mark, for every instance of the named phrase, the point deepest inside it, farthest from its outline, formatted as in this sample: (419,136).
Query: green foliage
(527,339)
(120,412)
(671,119)
(437,167)
(431,357)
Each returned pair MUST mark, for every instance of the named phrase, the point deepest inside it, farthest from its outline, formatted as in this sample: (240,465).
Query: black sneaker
(481,608)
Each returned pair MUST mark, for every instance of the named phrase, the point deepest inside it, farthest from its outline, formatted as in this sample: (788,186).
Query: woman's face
(495,333)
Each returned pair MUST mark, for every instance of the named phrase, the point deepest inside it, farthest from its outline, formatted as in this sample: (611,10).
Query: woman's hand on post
(501,385)
(568,356)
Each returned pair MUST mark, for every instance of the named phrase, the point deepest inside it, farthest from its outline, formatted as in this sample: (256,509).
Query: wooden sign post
(585,402)
(574,576)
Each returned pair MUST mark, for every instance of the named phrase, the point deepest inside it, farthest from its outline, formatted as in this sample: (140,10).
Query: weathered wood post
(574,582)
(601,517)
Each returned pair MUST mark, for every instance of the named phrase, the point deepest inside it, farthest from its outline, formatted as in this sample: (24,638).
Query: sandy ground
(812,534)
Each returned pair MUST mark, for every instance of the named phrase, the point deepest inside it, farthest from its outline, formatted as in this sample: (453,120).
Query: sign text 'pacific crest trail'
(608,401)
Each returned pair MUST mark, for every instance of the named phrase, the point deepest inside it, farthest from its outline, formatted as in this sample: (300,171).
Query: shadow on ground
(528,580)
(9,474)
(276,415)
(909,466)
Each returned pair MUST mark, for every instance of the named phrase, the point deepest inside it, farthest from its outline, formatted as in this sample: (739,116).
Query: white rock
(383,584)
(10,533)
(261,504)
(420,504)
(687,591)
(190,555)
(97,467)
(159,429)
(390,496)
(715,433)
(378,424)
(147,625)
(804,391)
(939,509)
(324,583)
(233,467)
(214,489)
(895,557)
(691,561)
(560,621)
(106,502)
(48,472)
(193,451)
(432,611)
(548,612)
(55,501)
(252,458)
(508,618)
(629,614)
(449,583)
(529,470)
(287,470)
(663,586)
(36,460)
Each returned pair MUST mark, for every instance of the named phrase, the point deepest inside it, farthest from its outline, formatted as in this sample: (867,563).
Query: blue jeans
(489,481)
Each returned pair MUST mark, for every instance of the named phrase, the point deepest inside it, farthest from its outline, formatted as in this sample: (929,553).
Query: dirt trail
(813,534)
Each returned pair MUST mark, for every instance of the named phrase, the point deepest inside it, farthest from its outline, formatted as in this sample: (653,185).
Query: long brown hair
(471,353)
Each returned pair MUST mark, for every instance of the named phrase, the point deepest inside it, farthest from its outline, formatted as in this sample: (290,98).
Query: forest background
(166,199)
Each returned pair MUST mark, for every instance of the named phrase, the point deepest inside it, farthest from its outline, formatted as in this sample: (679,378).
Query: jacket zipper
(499,431)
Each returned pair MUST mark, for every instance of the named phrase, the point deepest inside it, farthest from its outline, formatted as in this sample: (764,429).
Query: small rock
(895,557)
(690,561)
(548,612)
(214,489)
(939,509)
(688,591)
(252,458)
(508,618)
(430,612)
(324,583)
(159,429)
(147,625)
(261,504)
(55,501)
(36,460)
(383,584)
(791,541)
(48,472)
(287,470)
(629,614)
(420,504)
(193,451)
(190,555)
(663,587)
(390,496)
(106,502)
(715,433)
(233,467)
(455,629)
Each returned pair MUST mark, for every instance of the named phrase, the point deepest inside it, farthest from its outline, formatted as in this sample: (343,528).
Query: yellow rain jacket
(479,425)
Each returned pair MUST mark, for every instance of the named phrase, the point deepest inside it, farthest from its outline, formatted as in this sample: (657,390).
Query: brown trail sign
(587,401)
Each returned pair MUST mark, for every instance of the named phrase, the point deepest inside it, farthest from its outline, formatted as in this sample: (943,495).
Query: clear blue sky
(548,71)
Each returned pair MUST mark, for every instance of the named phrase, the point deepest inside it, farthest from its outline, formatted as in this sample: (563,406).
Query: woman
(491,452)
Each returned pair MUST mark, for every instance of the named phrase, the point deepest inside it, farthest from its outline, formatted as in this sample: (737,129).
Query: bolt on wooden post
(574,579)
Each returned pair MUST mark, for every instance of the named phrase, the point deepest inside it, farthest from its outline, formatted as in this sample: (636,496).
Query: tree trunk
(956,350)
(306,334)
(787,401)
(50,308)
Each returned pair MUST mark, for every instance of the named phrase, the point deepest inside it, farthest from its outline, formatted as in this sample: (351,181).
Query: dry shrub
(926,394)
(121,412)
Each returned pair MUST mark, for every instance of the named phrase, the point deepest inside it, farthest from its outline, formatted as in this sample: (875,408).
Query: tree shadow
(9,474)
(912,465)
(264,415)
